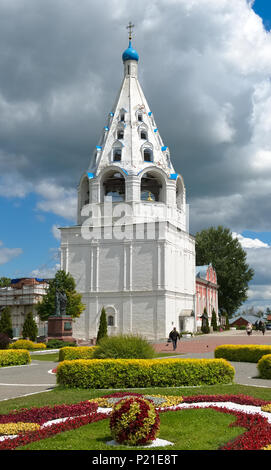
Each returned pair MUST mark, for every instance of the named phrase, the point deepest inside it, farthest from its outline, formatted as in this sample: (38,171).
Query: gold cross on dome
(130,27)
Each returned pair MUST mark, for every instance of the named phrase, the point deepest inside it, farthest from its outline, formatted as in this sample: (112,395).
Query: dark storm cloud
(204,67)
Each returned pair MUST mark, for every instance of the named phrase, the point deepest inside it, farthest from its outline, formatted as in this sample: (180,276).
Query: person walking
(263,328)
(249,329)
(174,335)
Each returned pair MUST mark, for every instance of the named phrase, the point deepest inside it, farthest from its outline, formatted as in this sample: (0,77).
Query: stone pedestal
(60,328)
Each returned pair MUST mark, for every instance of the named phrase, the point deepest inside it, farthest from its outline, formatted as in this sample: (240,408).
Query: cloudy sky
(205,69)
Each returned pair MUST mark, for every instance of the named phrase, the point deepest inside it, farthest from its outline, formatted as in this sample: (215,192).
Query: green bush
(124,347)
(14,358)
(264,366)
(241,352)
(130,373)
(27,344)
(81,352)
(30,328)
(59,343)
(6,322)
(4,341)
(102,331)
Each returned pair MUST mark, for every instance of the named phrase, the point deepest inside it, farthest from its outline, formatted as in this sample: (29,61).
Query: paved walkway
(19,381)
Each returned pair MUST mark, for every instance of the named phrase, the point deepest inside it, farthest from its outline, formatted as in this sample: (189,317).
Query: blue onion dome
(130,53)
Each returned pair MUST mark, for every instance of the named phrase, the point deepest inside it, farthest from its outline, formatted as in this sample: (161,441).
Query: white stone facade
(130,251)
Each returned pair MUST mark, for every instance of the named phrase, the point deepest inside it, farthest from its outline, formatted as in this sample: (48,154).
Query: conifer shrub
(205,328)
(214,320)
(4,341)
(102,331)
(124,347)
(6,322)
(30,328)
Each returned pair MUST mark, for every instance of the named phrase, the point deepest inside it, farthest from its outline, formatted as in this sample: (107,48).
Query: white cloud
(57,199)
(247,242)
(45,272)
(56,232)
(7,254)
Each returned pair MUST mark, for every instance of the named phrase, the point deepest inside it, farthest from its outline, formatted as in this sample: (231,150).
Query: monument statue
(60,303)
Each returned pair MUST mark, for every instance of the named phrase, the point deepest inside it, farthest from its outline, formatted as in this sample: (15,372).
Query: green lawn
(188,429)
(65,395)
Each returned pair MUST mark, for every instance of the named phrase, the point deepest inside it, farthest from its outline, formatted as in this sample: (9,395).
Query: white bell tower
(130,251)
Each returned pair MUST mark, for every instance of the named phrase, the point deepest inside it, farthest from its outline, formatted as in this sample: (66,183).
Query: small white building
(22,296)
(131,251)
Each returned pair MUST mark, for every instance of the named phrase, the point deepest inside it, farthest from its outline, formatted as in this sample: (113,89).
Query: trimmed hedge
(128,373)
(241,353)
(80,352)
(264,366)
(17,357)
(27,344)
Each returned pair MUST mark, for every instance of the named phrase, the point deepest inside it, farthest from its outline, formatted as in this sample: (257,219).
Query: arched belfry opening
(113,186)
(180,197)
(152,187)
(84,192)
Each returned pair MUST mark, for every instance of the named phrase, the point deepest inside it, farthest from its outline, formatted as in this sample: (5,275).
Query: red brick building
(206,293)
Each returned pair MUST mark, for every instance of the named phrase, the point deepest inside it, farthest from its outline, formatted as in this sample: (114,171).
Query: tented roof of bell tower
(130,138)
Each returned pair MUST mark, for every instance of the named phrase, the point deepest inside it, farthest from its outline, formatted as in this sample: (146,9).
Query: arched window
(143,134)
(147,154)
(120,134)
(122,116)
(110,320)
(140,117)
(116,154)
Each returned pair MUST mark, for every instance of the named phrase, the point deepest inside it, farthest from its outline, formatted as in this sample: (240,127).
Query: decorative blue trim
(98,147)
(90,175)
(173,176)
(163,148)
(106,128)
(126,172)
(155,130)
(150,113)
(111,114)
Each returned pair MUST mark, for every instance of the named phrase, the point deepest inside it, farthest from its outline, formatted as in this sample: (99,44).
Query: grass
(183,428)
(61,395)
(51,357)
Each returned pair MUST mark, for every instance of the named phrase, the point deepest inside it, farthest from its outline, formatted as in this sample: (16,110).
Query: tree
(102,331)
(6,322)
(65,282)
(214,320)
(4,281)
(205,322)
(30,328)
(217,246)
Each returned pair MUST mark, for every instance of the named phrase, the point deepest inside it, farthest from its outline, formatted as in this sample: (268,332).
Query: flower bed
(251,413)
